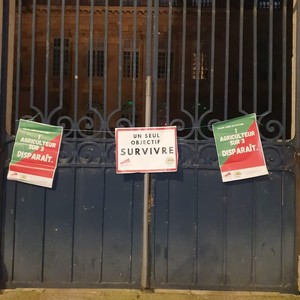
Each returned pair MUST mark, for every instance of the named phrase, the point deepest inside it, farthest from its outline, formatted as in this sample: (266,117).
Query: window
(203,66)
(204,3)
(162,68)
(129,66)
(265,4)
(132,2)
(97,63)
(56,57)
(99,2)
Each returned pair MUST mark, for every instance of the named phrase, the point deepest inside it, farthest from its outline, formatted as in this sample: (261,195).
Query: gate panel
(87,229)
(238,246)
(122,249)
(233,236)
(77,64)
(58,233)
(209,238)
(28,248)
(74,234)
(235,58)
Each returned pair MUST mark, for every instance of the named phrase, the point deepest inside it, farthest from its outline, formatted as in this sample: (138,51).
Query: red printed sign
(35,153)
(239,148)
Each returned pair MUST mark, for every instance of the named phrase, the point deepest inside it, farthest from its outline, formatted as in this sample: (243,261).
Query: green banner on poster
(35,153)
(239,148)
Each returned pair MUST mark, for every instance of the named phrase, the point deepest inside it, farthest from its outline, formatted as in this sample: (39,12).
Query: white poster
(146,149)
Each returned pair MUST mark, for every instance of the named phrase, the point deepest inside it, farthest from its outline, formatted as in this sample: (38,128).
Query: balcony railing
(262,4)
(162,3)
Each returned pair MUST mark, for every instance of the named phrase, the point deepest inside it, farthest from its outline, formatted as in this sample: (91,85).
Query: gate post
(296,88)
(3,70)
(7,21)
(145,256)
(145,271)
(4,17)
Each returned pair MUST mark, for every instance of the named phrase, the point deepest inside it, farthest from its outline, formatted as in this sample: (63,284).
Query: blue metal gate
(83,65)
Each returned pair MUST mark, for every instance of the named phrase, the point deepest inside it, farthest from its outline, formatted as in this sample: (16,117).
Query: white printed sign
(146,149)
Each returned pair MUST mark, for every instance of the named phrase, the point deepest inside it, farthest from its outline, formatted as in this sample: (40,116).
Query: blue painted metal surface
(80,233)
(238,235)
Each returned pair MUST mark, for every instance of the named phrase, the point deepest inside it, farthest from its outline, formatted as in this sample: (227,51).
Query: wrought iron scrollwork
(89,153)
(67,153)
(207,156)
(270,129)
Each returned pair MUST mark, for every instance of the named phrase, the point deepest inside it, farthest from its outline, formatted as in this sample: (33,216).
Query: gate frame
(296,91)
(6,66)
(7,27)
(3,68)
(4,17)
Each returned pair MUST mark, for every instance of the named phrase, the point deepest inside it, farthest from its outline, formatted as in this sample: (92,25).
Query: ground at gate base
(115,294)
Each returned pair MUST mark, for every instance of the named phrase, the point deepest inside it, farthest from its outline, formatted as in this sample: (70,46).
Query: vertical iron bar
(62,51)
(296,119)
(134,64)
(105,68)
(241,54)
(212,57)
(198,48)
(18,63)
(148,38)
(196,209)
(145,280)
(284,66)
(1,43)
(255,56)
(120,60)
(3,81)
(133,124)
(75,100)
(32,62)
(183,45)
(270,79)
(296,116)
(167,120)
(155,61)
(169,61)
(75,116)
(91,51)
(226,60)
(145,254)
(297,112)
(47,58)
(48,22)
